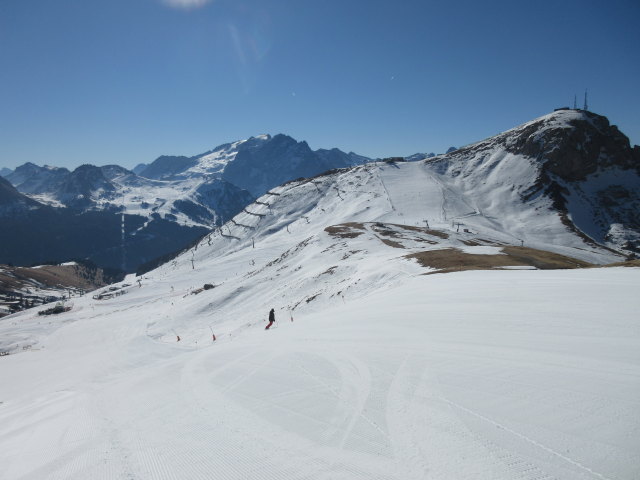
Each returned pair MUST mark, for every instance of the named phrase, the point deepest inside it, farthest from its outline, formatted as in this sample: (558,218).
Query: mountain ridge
(184,194)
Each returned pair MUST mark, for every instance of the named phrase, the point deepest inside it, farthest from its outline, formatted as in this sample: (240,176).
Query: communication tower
(586,105)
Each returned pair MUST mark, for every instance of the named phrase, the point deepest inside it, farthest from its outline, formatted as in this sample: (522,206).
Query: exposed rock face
(570,145)
(258,167)
(79,188)
(167,166)
(577,148)
(114,171)
(224,197)
(31,178)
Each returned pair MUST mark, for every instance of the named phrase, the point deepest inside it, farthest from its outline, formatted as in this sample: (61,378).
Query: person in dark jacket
(272,318)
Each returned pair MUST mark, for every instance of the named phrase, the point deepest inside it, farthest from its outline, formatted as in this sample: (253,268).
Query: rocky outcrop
(575,148)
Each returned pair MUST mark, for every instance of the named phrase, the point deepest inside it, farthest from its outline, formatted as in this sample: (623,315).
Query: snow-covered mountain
(504,369)
(33,179)
(195,191)
(256,164)
(178,196)
(571,162)
(263,153)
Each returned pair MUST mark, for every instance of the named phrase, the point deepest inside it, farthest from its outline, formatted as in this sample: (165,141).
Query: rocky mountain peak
(573,144)
(86,181)
(114,171)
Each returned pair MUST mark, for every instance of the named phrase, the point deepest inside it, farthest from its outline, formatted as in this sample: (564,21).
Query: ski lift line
(393,208)
(252,213)
(242,225)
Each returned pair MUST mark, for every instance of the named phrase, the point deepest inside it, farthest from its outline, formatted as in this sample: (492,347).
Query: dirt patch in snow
(471,243)
(396,231)
(346,230)
(52,276)
(391,243)
(480,242)
(544,260)
(428,231)
(628,263)
(384,229)
(454,260)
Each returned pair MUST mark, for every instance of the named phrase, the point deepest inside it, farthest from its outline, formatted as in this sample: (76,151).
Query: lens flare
(186,4)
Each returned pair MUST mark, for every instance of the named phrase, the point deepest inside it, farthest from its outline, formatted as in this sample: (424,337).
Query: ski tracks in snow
(431,440)
(527,439)
(293,411)
(419,195)
(432,437)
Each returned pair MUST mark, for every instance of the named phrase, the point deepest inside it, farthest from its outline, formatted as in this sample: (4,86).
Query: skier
(272,318)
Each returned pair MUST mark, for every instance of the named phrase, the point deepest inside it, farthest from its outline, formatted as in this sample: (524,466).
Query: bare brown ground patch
(74,276)
(471,243)
(454,260)
(8,282)
(383,229)
(435,233)
(628,263)
(544,260)
(424,240)
(394,230)
(391,243)
(345,230)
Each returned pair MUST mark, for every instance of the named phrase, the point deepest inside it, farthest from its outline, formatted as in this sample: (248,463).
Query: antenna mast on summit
(586,105)
(575,105)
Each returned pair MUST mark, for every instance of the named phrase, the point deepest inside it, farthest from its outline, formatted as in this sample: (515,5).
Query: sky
(125,81)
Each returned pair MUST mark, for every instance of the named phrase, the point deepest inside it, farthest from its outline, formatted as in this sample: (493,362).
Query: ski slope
(466,375)
(373,371)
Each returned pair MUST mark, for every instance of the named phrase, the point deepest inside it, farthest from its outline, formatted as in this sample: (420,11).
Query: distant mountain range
(166,205)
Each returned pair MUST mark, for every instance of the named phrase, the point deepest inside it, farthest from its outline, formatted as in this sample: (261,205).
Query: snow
(481,250)
(47,200)
(155,196)
(466,375)
(373,370)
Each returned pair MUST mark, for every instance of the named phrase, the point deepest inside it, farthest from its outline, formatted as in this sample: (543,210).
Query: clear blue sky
(124,81)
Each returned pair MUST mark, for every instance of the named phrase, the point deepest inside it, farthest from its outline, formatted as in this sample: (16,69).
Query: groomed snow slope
(383,372)
(479,375)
